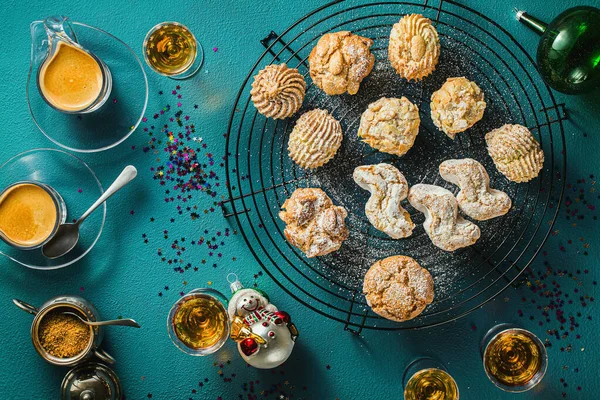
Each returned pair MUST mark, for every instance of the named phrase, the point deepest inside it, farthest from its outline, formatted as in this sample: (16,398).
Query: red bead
(249,346)
(271,334)
(284,316)
(265,323)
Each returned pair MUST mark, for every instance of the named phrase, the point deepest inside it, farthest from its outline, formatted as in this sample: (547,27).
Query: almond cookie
(315,139)
(390,125)
(515,152)
(398,288)
(340,61)
(476,199)
(314,224)
(388,188)
(414,47)
(444,226)
(278,91)
(457,106)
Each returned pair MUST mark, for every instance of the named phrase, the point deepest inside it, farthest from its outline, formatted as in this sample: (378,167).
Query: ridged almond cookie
(340,61)
(314,224)
(515,152)
(476,199)
(444,226)
(388,188)
(390,125)
(414,47)
(457,106)
(398,288)
(278,91)
(315,139)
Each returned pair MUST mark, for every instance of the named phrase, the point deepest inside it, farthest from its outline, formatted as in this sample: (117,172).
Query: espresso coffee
(28,215)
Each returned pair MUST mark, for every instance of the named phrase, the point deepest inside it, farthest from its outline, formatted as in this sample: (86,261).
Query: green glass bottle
(568,55)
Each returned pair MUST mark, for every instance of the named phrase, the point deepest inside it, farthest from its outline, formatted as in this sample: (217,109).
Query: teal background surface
(129,272)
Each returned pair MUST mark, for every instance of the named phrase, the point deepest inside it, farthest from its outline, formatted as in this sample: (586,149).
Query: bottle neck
(532,22)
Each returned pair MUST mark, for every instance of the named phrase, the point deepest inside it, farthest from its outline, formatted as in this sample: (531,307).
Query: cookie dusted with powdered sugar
(390,125)
(314,224)
(398,288)
(444,226)
(476,199)
(457,106)
(388,188)
(340,61)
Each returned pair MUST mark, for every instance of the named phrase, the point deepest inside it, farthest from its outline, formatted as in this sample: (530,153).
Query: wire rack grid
(260,175)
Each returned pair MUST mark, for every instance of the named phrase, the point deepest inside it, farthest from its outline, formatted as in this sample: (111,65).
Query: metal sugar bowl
(73,304)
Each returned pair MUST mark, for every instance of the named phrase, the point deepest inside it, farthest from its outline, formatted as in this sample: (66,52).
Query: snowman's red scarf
(259,315)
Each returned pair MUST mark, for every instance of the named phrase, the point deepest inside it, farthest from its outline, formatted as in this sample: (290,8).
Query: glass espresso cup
(427,379)
(198,323)
(172,50)
(515,360)
(30,214)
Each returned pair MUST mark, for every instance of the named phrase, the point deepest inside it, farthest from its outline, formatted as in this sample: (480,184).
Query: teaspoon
(67,235)
(122,322)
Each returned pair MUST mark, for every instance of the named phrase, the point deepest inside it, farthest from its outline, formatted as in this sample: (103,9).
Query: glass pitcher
(70,78)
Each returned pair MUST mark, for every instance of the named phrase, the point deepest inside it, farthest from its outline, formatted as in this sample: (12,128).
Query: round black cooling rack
(261,176)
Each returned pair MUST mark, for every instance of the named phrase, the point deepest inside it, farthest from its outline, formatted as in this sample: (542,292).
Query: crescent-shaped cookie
(444,226)
(388,188)
(476,199)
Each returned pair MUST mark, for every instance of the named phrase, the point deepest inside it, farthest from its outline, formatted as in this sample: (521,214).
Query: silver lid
(91,381)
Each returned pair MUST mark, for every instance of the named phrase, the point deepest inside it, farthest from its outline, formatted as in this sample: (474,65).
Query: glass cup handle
(104,356)
(28,308)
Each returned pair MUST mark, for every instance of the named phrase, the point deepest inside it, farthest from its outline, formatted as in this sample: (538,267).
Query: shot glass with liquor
(171,49)
(515,360)
(427,379)
(198,322)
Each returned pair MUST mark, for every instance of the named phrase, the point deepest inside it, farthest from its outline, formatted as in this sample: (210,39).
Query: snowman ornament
(270,336)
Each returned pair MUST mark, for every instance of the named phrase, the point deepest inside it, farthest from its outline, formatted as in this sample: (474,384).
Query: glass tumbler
(514,359)
(172,50)
(427,379)
(198,323)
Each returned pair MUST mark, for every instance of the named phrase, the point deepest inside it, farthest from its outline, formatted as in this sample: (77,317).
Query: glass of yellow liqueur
(514,359)
(427,379)
(198,323)
(171,49)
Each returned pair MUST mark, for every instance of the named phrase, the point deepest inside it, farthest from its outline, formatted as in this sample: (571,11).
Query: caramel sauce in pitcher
(72,79)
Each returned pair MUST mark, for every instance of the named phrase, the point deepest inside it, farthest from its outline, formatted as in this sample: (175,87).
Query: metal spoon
(67,235)
(122,322)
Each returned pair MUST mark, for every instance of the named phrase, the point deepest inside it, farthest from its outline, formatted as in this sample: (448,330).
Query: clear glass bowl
(78,186)
(117,119)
